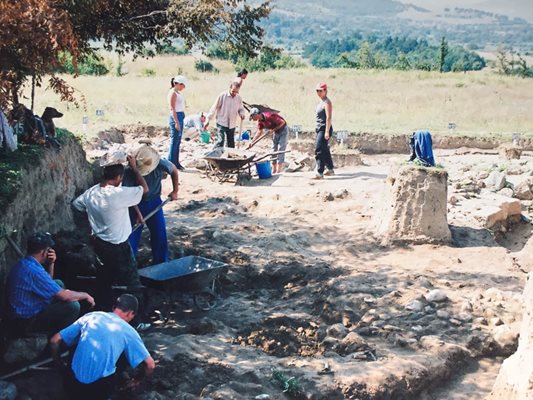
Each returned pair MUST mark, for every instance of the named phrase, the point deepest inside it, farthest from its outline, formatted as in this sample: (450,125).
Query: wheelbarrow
(192,275)
(225,163)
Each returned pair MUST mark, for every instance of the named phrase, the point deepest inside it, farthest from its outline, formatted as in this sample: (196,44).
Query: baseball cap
(39,241)
(180,79)
(322,86)
(254,111)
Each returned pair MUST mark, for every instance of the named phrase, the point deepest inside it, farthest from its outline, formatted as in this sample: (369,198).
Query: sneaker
(317,177)
(143,326)
(329,172)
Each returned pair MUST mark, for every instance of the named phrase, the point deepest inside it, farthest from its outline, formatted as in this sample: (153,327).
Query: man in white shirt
(107,206)
(227,107)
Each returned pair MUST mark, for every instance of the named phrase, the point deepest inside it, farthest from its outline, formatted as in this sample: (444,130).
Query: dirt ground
(313,306)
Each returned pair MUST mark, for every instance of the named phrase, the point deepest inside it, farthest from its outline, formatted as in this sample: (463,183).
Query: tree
(443,53)
(35,33)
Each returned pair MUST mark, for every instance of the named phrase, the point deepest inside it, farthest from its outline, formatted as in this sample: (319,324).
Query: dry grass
(479,103)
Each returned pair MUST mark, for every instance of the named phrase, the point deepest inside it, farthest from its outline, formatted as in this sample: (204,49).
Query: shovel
(150,214)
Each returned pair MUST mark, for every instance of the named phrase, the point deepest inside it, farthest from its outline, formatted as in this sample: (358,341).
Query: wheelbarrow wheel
(205,300)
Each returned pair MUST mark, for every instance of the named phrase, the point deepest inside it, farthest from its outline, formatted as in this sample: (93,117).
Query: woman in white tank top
(176,103)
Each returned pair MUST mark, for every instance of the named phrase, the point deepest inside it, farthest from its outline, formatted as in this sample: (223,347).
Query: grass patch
(12,168)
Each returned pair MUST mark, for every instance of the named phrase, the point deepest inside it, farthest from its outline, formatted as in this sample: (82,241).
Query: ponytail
(172,83)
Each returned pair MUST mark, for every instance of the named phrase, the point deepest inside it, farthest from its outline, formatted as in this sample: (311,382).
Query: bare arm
(55,343)
(138,177)
(175,183)
(51,259)
(173,98)
(149,366)
(329,112)
(257,137)
(71,295)
(140,219)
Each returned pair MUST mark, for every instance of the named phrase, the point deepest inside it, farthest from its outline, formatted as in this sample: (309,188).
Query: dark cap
(39,241)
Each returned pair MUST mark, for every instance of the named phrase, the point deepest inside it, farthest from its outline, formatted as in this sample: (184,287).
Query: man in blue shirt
(37,303)
(100,339)
(152,167)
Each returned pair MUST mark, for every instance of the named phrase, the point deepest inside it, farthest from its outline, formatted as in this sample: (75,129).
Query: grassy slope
(364,101)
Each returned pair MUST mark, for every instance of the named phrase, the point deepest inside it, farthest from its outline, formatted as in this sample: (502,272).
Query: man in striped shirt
(37,303)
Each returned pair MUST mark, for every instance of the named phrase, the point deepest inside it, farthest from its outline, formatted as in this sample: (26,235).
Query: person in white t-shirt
(107,206)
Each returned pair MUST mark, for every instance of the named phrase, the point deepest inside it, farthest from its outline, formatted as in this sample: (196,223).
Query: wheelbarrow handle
(150,214)
(271,154)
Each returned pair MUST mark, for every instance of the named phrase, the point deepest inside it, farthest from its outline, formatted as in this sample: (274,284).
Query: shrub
(205,66)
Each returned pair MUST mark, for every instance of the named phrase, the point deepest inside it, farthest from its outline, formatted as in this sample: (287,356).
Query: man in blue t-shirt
(152,167)
(37,303)
(100,338)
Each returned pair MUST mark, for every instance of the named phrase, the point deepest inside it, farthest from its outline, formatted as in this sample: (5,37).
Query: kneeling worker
(100,339)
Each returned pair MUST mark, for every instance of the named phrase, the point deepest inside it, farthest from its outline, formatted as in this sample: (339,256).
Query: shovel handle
(150,214)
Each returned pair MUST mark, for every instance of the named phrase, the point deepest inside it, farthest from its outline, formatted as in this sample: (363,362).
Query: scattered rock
(342,194)
(495,181)
(522,191)
(506,338)
(507,192)
(465,317)
(436,296)
(328,197)
(337,331)
(443,314)
(415,305)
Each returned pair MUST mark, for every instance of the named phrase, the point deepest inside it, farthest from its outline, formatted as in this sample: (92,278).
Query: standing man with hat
(271,121)
(37,303)
(152,167)
(227,107)
(107,206)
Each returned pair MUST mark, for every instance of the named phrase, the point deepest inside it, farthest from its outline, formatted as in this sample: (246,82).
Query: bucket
(205,137)
(245,135)
(264,169)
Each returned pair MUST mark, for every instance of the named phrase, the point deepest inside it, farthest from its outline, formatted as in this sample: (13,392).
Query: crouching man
(100,338)
(37,303)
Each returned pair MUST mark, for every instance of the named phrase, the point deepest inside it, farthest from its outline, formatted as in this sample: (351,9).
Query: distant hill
(476,24)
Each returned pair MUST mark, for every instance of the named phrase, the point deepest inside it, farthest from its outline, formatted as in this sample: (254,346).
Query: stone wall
(43,201)
(515,380)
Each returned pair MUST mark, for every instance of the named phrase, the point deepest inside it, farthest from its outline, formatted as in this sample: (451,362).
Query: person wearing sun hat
(152,167)
(324,131)
(106,205)
(176,102)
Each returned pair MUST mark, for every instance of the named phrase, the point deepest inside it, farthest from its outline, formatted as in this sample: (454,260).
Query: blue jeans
(322,153)
(156,226)
(175,138)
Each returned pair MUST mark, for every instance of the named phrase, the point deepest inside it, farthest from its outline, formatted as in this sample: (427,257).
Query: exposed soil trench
(310,294)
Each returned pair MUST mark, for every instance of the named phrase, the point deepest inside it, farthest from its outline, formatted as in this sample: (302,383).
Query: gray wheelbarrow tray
(192,274)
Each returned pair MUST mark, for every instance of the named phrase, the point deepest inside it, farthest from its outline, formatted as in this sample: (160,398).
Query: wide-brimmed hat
(146,158)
